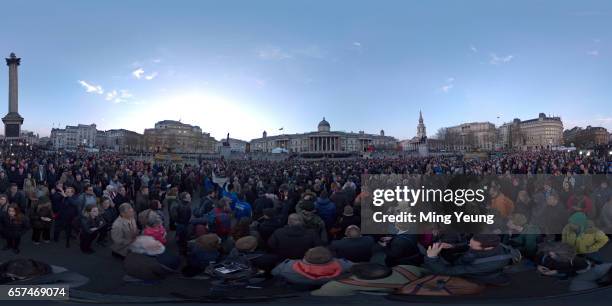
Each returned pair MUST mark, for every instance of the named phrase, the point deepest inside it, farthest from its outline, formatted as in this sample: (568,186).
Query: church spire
(421,132)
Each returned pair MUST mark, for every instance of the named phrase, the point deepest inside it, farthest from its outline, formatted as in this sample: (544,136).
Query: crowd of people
(299,222)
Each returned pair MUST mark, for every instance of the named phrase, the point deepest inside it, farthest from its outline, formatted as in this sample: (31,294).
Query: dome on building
(323,126)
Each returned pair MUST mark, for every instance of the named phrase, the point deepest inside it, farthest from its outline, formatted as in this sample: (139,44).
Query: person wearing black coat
(68,211)
(109,214)
(182,215)
(51,177)
(91,225)
(353,247)
(4,182)
(267,224)
(293,240)
(41,218)
(260,204)
(14,224)
(16,196)
(57,197)
(402,249)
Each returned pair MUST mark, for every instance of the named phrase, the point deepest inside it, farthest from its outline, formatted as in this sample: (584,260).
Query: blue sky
(247,66)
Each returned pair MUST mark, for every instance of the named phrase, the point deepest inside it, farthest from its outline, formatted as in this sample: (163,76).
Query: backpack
(219,223)
(232,270)
(440,285)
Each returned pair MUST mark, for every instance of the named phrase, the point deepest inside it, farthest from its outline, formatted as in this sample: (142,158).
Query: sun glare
(214,113)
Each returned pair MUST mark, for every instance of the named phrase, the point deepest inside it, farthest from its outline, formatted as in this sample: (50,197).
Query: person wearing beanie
(468,265)
(316,268)
(246,247)
(353,246)
(307,210)
(41,219)
(582,234)
(370,277)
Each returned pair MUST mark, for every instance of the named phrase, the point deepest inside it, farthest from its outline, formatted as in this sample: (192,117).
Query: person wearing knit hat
(246,248)
(582,234)
(306,209)
(370,277)
(316,268)
(318,256)
(246,244)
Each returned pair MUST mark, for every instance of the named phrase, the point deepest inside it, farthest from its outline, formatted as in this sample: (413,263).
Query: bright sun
(214,113)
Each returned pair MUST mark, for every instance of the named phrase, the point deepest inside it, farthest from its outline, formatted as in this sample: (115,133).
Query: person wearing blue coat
(326,209)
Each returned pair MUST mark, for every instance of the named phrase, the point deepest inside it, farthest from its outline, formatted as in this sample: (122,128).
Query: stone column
(13,62)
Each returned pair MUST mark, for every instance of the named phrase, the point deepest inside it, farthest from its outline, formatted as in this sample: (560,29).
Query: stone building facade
(120,140)
(473,136)
(324,141)
(177,137)
(74,136)
(588,137)
(544,132)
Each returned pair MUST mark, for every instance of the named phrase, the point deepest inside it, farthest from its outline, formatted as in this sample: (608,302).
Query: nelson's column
(12,120)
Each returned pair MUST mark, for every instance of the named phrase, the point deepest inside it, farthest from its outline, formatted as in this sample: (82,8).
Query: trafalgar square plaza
(194,197)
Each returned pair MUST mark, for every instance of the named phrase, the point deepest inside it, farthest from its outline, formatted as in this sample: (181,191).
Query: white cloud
(474,49)
(272,53)
(91,88)
(151,76)
(157,60)
(116,96)
(495,60)
(447,87)
(357,44)
(138,73)
(593,52)
(450,80)
(111,95)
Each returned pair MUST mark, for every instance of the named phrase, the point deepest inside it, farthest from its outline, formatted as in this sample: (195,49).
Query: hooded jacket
(487,272)
(302,273)
(326,209)
(590,240)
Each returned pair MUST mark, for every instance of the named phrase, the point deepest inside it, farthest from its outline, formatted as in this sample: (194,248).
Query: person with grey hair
(123,231)
(293,240)
(155,228)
